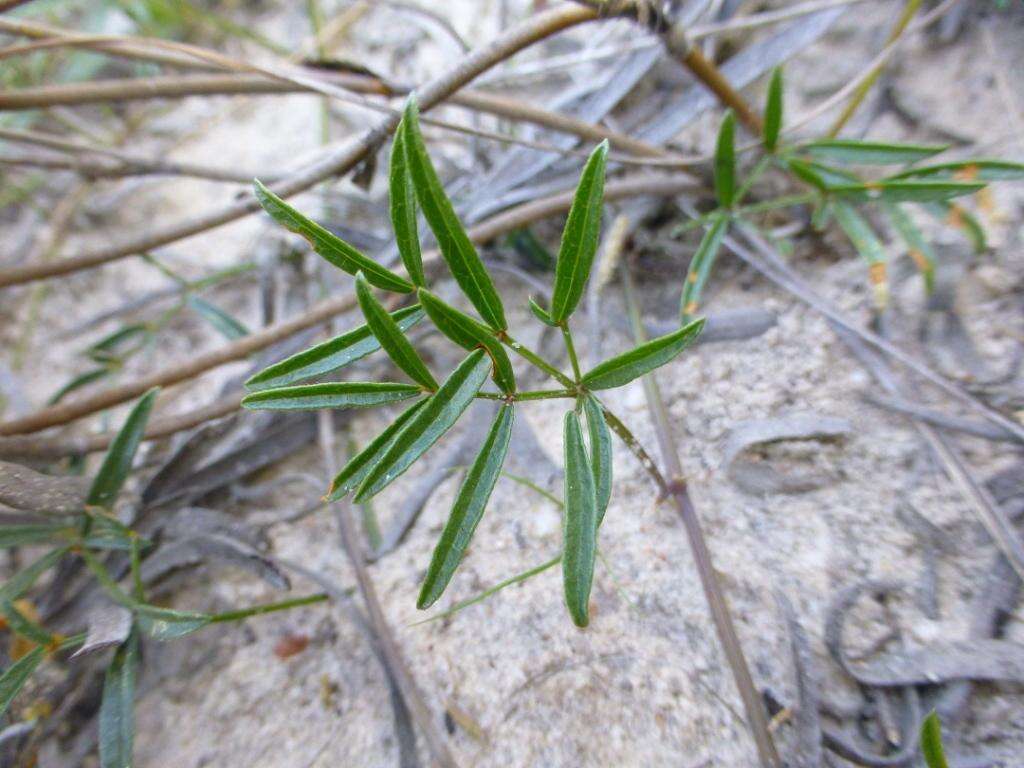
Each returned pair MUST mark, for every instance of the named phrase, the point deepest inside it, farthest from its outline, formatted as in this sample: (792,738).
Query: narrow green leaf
(931,742)
(328,245)
(22,581)
(867,244)
(110,346)
(402,199)
(906,191)
(227,326)
(642,359)
(958,217)
(870,152)
(600,439)
(424,429)
(470,334)
(24,626)
(16,675)
(468,509)
(773,111)
(78,382)
(118,461)
(391,337)
(540,313)
(580,237)
(455,245)
(968,170)
(330,355)
(359,466)
(342,394)
(860,233)
(31,533)
(919,250)
(822,177)
(725,161)
(700,268)
(165,624)
(579,524)
(117,709)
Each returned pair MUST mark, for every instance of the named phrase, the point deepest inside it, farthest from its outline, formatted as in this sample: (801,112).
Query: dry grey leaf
(108,625)
(757,477)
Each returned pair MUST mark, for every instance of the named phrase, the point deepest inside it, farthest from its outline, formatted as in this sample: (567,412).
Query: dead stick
(335,162)
(676,489)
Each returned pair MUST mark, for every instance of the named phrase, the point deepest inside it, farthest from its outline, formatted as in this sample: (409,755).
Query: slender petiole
(571,348)
(536,360)
(259,610)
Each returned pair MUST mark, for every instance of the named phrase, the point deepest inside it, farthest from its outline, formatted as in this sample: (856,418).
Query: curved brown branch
(62,413)
(334,162)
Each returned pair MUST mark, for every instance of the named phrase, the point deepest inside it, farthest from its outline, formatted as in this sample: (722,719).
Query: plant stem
(862,90)
(545,394)
(536,360)
(678,492)
(259,610)
(571,348)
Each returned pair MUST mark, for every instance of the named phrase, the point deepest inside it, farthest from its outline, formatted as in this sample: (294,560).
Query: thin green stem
(496,588)
(756,172)
(138,590)
(545,394)
(259,610)
(536,360)
(571,349)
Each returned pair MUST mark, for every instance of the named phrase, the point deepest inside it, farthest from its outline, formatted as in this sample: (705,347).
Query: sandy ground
(646,684)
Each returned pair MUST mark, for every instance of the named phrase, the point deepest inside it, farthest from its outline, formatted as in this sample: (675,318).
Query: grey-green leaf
(227,326)
(725,161)
(328,245)
(455,245)
(579,524)
(16,675)
(700,268)
(907,191)
(931,742)
(918,248)
(22,581)
(860,233)
(652,354)
(870,152)
(540,313)
(470,334)
(773,111)
(968,170)
(118,461)
(359,466)
(166,624)
(959,218)
(330,355)
(468,509)
(402,204)
(30,533)
(117,709)
(600,439)
(343,394)
(424,429)
(580,237)
(391,337)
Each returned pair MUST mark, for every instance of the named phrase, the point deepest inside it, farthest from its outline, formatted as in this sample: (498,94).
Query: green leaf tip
(468,508)
(331,247)
(643,359)
(579,523)
(580,237)
(456,248)
(773,111)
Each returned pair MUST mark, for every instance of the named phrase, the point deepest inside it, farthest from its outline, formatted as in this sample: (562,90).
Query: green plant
(931,742)
(414,185)
(834,190)
(96,537)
